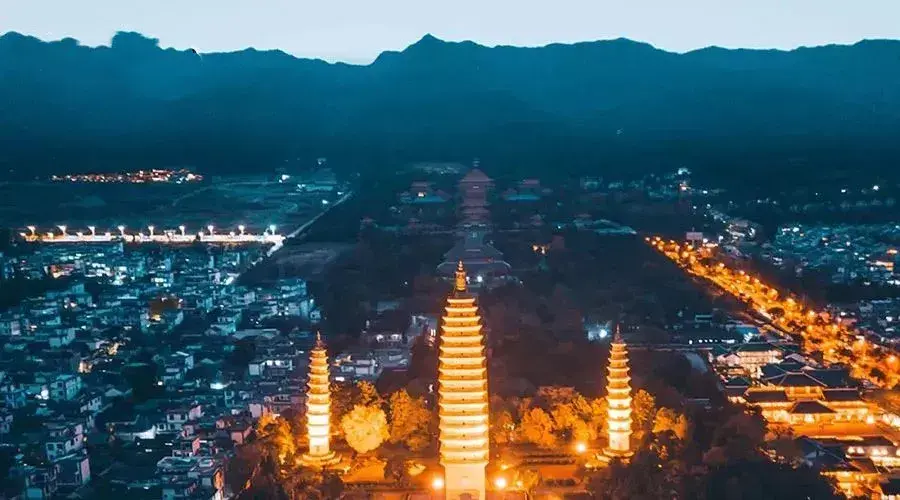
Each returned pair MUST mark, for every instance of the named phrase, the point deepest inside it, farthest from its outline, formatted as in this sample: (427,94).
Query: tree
(264,425)
(551,396)
(645,477)
(283,437)
(367,394)
(564,419)
(738,438)
(396,470)
(529,478)
(667,420)
(409,421)
(599,408)
(341,403)
(537,428)
(761,479)
(365,428)
(502,427)
(644,409)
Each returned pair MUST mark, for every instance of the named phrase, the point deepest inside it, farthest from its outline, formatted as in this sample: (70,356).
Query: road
(822,334)
(300,231)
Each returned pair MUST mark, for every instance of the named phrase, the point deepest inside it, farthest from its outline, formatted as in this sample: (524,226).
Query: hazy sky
(358,30)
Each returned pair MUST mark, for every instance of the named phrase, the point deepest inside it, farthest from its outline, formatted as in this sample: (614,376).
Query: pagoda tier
(318,410)
(618,399)
(463,396)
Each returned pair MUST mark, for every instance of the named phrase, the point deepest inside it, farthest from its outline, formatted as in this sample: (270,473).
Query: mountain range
(585,107)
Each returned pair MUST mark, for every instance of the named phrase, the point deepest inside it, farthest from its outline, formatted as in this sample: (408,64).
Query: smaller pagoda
(318,410)
(618,400)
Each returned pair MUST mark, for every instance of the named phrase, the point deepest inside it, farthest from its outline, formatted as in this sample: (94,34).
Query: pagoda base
(609,455)
(320,461)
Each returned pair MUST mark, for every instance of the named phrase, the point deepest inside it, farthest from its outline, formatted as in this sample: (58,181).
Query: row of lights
(182,228)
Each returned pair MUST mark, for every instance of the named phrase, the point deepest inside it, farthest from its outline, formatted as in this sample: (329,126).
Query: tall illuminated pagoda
(463,396)
(318,406)
(618,400)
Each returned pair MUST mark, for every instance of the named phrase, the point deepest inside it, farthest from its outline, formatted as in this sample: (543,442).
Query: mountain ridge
(589,105)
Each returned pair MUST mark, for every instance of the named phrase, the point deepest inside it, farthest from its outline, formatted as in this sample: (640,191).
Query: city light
(139,177)
(835,342)
(156,234)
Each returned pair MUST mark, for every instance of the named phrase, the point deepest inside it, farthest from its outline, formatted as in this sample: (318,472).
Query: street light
(500,483)
(580,447)
(437,483)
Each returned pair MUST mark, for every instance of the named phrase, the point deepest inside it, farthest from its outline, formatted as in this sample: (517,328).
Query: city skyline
(328,32)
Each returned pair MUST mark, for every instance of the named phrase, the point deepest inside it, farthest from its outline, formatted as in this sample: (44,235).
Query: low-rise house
(65,387)
(74,470)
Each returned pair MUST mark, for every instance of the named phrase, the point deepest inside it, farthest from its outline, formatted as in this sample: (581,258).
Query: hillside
(587,107)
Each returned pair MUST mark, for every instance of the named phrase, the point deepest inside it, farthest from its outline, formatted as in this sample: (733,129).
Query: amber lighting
(318,405)
(463,397)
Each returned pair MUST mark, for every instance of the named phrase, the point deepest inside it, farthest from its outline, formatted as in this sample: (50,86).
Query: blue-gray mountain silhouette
(573,108)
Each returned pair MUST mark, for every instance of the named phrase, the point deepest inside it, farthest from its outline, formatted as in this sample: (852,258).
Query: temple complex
(618,399)
(482,261)
(473,193)
(798,394)
(318,407)
(462,395)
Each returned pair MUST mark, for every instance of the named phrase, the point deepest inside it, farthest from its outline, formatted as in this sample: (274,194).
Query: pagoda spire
(318,409)
(618,400)
(461,281)
(463,396)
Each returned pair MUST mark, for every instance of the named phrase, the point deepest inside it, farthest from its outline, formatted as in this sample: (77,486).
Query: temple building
(796,394)
(463,396)
(482,260)
(473,194)
(618,400)
(318,406)
(748,359)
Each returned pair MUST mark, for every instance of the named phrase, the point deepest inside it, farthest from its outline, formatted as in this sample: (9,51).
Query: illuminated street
(823,336)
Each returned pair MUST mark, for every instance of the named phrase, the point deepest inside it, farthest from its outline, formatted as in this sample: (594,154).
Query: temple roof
(476,175)
(810,407)
(777,396)
(472,246)
(795,380)
(842,395)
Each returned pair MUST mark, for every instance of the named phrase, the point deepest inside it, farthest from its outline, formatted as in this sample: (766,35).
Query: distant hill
(587,107)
